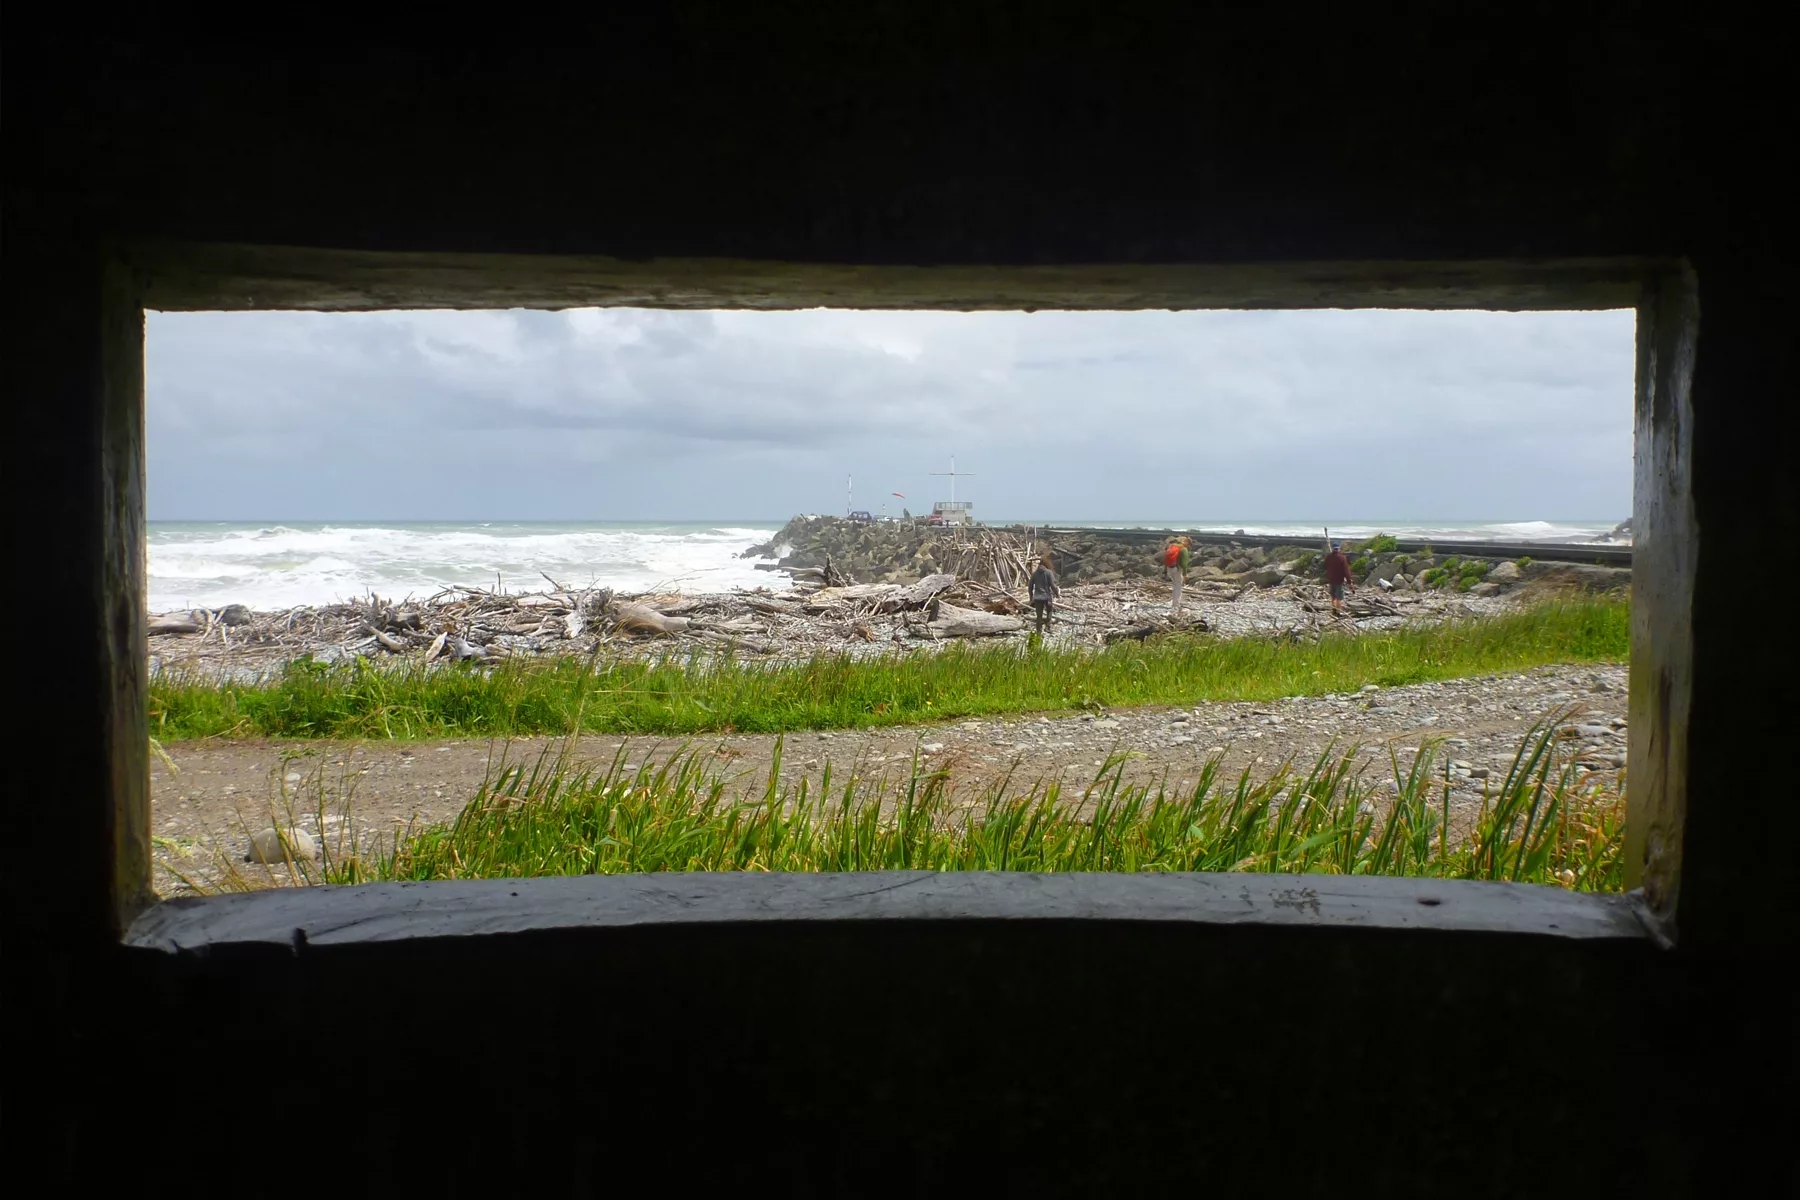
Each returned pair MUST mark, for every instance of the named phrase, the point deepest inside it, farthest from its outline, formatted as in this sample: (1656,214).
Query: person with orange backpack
(1175,563)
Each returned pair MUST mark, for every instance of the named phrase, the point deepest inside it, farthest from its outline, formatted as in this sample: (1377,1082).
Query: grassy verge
(677,697)
(1545,822)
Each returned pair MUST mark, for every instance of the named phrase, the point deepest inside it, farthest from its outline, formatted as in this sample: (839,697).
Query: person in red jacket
(1175,563)
(1337,576)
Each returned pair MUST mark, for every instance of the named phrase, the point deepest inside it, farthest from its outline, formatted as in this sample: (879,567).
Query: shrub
(1381,543)
(1522,563)
(1361,566)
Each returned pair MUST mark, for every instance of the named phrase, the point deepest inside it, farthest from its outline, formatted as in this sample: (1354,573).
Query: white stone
(266,847)
(932,747)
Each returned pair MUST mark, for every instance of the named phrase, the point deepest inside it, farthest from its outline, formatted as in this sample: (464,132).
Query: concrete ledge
(393,912)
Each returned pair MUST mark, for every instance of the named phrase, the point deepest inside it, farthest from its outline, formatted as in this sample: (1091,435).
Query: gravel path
(222,792)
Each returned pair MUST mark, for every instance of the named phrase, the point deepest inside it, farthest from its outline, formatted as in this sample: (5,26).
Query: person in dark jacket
(1337,576)
(1043,590)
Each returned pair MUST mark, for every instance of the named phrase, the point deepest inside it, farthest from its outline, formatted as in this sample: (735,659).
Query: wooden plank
(223,276)
(1662,597)
(388,912)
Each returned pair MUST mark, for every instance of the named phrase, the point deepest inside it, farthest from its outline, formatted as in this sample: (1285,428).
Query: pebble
(932,747)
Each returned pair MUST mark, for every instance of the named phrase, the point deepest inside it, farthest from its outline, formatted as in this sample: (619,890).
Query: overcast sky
(621,414)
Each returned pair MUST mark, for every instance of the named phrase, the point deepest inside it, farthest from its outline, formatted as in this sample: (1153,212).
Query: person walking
(1175,562)
(1337,576)
(1043,591)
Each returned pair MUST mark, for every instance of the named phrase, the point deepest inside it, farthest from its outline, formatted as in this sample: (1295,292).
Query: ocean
(273,566)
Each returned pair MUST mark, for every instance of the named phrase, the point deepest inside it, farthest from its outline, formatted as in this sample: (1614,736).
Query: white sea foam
(276,566)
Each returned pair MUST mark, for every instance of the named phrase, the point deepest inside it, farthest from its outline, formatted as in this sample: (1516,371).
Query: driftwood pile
(997,556)
(476,626)
(480,626)
(455,624)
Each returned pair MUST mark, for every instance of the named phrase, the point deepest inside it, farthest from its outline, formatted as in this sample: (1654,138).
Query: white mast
(952,473)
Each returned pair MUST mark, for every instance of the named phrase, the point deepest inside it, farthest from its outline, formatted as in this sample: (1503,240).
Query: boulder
(266,847)
(1506,572)
(235,614)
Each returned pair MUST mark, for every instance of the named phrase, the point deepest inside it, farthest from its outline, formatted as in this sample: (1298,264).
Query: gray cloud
(631,414)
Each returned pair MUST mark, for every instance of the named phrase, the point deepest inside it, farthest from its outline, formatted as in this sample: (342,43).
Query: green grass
(1543,823)
(699,695)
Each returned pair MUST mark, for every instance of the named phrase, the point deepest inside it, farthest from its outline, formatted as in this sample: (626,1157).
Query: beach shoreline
(840,587)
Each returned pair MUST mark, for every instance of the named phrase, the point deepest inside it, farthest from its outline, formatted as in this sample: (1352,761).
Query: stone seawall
(905,551)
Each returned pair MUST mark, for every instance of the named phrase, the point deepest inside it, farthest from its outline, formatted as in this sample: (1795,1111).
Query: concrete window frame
(218,277)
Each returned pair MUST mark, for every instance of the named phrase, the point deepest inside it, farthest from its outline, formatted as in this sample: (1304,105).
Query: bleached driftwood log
(968,622)
(916,596)
(638,618)
(173,625)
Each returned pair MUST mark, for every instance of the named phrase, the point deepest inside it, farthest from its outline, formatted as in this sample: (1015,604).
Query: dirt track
(202,816)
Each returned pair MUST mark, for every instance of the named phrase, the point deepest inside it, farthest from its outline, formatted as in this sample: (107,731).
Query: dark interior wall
(1002,133)
(997,134)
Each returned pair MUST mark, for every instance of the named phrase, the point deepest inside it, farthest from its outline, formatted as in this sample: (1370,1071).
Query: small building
(952,512)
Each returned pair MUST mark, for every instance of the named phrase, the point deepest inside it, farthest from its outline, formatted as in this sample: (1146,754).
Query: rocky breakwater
(838,551)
